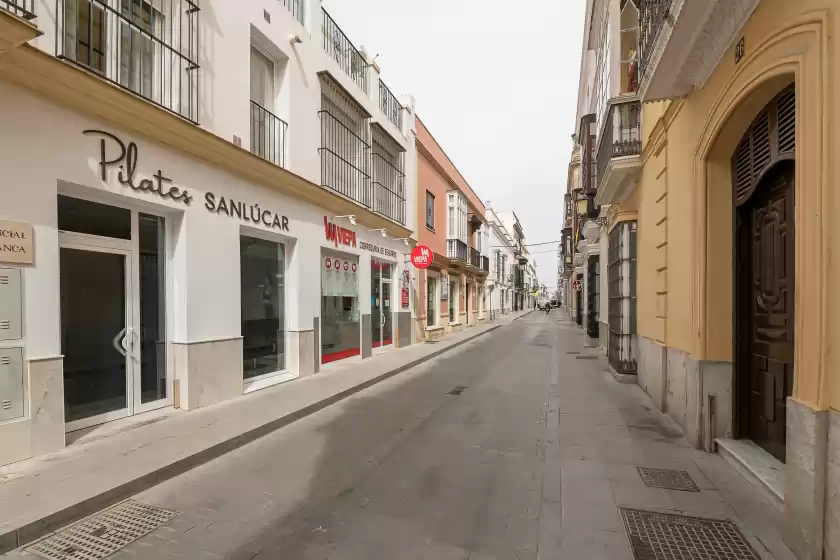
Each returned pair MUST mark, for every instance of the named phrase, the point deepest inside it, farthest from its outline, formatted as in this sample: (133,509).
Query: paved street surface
(532,460)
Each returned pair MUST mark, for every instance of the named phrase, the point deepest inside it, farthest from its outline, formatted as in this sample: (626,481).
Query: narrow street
(531,459)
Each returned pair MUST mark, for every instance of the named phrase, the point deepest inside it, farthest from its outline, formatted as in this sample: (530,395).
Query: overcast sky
(496,83)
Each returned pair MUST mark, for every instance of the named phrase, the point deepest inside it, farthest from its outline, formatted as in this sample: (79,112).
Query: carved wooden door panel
(768,351)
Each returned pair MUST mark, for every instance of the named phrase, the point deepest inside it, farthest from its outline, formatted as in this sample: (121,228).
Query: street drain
(659,536)
(586,357)
(456,390)
(572,353)
(431,342)
(668,479)
(103,534)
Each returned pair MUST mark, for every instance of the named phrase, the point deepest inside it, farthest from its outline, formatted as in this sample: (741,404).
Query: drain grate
(457,390)
(586,357)
(431,342)
(658,536)
(103,534)
(572,353)
(668,479)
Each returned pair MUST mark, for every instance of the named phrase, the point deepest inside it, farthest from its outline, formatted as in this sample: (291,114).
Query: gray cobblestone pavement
(530,462)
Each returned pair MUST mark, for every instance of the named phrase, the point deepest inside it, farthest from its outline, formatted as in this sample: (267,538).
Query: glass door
(97,334)
(380,303)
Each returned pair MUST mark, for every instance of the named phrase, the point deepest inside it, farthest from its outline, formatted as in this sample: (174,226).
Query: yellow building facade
(738,308)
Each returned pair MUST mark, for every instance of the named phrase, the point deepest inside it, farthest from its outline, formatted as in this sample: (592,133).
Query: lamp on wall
(351,217)
(383,231)
(405,240)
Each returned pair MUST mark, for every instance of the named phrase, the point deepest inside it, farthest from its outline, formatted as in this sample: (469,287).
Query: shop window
(262,269)
(152,308)
(431,298)
(83,216)
(340,324)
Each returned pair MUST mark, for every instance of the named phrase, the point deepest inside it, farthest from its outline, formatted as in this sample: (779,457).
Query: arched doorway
(763,178)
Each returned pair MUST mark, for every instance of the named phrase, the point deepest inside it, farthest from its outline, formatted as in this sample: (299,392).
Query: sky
(495,81)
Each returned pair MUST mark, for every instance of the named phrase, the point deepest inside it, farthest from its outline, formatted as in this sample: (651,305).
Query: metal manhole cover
(659,536)
(103,534)
(668,479)
(456,390)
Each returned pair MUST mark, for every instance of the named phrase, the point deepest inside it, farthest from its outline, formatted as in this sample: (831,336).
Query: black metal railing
(21,8)
(339,47)
(622,135)
(344,160)
(388,189)
(456,250)
(268,135)
(474,259)
(485,264)
(652,16)
(622,298)
(148,49)
(295,7)
(389,105)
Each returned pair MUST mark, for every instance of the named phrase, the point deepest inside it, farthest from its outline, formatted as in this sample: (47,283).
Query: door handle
(117,342)
(129,336)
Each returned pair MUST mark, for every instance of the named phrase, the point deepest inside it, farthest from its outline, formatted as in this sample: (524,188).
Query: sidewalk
(600,432)
(110,464)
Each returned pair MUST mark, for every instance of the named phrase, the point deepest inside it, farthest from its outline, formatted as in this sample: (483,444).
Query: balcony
(620,151)
(340,49)
(295,8)
(389,105)
(17,25)
(344,160)
(681,42)
(268,135)
(388,189)
(485,264)
(134,45)
(456,251)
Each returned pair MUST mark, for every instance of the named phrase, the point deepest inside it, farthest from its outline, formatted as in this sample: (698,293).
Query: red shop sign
(346,266)
(421,257)
(328,262)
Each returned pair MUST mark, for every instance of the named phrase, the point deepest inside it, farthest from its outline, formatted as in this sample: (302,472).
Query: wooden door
(766,238)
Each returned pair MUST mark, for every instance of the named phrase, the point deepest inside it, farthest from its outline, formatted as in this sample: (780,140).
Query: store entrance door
(113,314)
(381,311)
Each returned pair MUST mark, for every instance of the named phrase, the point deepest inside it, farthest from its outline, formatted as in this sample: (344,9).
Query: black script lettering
(210,201)
(265,218)
(236,208)
(222,207)
(127,164)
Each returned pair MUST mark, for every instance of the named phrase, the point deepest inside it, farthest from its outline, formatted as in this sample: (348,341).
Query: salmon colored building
(451,292)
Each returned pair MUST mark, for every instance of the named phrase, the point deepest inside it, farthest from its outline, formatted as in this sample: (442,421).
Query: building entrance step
(764,471)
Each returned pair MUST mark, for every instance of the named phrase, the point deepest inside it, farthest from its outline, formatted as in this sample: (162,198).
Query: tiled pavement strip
(42,494)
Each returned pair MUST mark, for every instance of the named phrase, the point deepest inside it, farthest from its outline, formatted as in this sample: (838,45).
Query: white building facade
(215,199)
(502,254)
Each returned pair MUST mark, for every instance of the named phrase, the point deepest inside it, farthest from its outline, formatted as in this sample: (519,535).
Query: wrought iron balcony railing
(21,8)
(388,189)
(295,7)
(622,134)
(339,47)
(268,135)
(474,258)
(344,160)
(456,250)
(389,105)
(150,49)
(485,264)
(653,15)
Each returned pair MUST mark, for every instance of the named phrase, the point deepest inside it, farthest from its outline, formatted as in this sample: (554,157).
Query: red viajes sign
(421,257)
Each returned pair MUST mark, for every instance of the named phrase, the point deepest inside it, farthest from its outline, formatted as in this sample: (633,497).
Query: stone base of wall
(697,394)
(603,336)
(208,372)
(433,333)
(454,327)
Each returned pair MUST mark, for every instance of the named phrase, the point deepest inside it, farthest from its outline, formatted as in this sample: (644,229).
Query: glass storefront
(340,322)
(431,301)
(381,313)
(262,269)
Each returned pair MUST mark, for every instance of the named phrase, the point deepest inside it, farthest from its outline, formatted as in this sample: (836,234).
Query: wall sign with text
(16,243)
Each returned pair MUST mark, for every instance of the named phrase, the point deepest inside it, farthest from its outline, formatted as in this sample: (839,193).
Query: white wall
(226,29)
(205,261)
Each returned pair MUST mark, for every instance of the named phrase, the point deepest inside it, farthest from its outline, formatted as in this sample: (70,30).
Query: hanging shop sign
(406,281)
(576,285)
(421,257)
(125,158)
(245,212)
(16,243)
(444,288)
